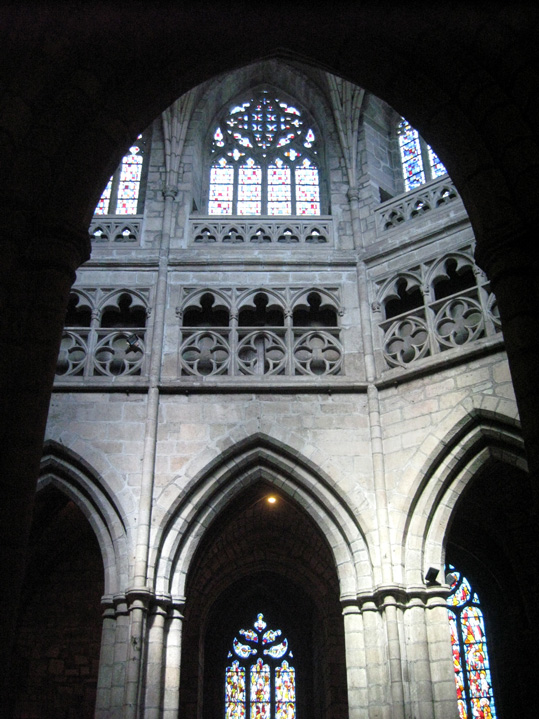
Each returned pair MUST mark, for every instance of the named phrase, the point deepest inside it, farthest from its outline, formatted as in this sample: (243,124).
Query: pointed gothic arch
(479,436)
(256,556)
(261,458)
(73,476)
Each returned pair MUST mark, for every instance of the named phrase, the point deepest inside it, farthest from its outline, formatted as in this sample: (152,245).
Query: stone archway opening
(56,658)
(263,557)
(491,541)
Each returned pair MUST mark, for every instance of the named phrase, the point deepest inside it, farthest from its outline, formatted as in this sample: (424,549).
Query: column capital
(169,191)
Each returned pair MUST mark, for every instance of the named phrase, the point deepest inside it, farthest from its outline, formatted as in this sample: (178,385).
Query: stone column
(356,664)
(106,659)
(37,269)
(418,660)
(394,656)
(171,703)
(378,679)
(138,602)
(155,658)
(441,659)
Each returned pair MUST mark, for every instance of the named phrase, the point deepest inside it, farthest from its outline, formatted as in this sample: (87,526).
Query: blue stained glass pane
(103,204)
(436,166)
(412,163)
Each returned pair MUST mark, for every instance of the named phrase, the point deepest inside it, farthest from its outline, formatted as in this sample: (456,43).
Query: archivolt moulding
(69,473)
(257,458)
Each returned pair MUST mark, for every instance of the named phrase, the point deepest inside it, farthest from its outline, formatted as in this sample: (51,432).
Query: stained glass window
(419,161)
(262,657)
(271,155)
(470,655)
(122,194)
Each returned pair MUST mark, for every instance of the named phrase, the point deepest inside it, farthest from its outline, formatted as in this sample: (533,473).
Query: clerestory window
(419,161)
(470,654)
(260,681)
(264,159)
(124,194)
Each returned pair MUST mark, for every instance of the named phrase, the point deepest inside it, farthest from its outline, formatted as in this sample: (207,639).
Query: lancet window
(123,195)
(419,161)
(104,334)
(264,159)
(260,681)
(259,332)
(469,645)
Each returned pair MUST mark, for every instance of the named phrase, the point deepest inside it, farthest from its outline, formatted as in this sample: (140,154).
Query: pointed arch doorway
(269,558)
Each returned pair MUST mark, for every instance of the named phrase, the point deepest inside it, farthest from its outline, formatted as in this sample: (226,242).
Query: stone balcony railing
(310,231)
(415,204)
(260,351)
(115,229)
(87,352)
(454,322)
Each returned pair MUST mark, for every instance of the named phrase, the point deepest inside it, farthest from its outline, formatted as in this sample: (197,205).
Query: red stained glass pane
(250,175)
(220,192)
(308,208)
(222,175)
(126,207)
(235,691)
(264,123)
(470,655)
(278,176)
(307,193)
(220,208)
(260,690)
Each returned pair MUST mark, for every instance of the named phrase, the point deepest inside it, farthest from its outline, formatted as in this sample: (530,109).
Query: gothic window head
(264,159)
(419,161)
(260,680)
(124,194)
(470,654)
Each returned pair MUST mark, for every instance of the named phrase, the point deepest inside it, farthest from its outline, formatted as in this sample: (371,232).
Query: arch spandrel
(260,459)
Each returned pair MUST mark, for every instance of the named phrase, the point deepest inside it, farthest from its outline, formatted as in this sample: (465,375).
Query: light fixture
(271,499)
(132,342)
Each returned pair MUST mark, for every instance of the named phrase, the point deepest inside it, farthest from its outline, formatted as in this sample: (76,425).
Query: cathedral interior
(268,318)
